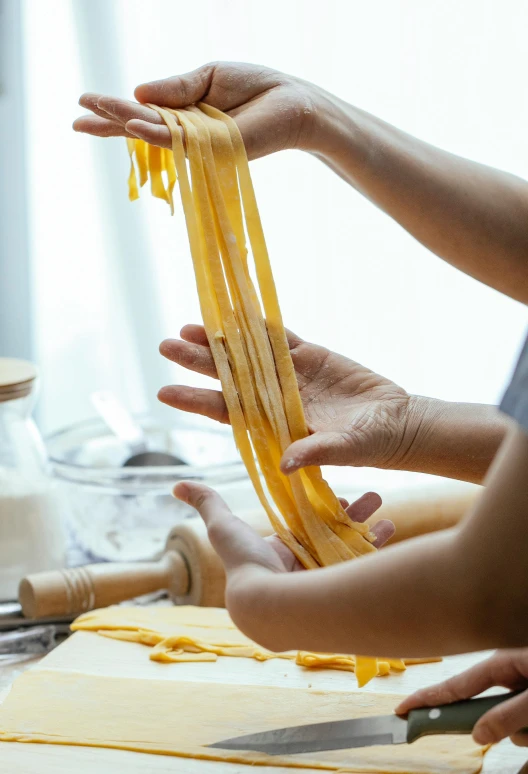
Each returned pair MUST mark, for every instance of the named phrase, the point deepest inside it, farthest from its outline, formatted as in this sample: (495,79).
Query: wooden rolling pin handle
(205,570)
(190,571)
(419,515)
(65,592)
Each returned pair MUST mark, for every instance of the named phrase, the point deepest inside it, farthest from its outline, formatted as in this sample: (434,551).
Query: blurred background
(90,284)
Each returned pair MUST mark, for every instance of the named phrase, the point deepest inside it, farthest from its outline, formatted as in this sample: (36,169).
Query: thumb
(178,91)
(321,449)
(506,719)
(235,542)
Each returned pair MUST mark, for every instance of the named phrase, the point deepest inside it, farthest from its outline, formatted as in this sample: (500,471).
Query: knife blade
(336,735)
(456,718)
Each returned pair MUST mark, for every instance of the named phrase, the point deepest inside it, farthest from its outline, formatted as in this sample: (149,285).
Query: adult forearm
(473,216)
(455,440)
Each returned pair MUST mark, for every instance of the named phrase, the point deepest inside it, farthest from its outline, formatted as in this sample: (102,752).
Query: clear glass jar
(32,537)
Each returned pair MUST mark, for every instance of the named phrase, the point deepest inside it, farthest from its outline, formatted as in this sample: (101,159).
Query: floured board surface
(182,718)
(186,633)
(87,654)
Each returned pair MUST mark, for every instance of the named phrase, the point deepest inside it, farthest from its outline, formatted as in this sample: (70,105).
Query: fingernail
(290,464)
(483,736)
(166,343)
(180,491)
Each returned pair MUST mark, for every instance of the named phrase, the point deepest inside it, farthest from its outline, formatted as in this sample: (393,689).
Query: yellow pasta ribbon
(246,335)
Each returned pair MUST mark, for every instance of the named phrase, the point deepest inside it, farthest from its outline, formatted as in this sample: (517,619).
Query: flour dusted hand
(356,417)
(274,111)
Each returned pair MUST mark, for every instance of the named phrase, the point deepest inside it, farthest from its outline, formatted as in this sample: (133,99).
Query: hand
(243,551)
(273,111)
(359,511)
(507,668)
(355,416)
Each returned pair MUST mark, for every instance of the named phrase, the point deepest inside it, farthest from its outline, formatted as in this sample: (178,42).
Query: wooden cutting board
(92,654)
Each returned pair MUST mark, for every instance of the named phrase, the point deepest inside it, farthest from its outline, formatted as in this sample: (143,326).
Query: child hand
(242,550)
(360,510)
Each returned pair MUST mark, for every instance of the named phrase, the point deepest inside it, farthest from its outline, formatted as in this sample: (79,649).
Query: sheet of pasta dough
(182,718)
(186,633)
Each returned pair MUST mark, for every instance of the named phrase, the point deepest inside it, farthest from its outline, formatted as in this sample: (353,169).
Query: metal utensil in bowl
(120,422)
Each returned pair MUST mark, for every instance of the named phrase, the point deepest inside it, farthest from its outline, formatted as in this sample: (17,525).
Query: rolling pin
(191,572)
(414,515)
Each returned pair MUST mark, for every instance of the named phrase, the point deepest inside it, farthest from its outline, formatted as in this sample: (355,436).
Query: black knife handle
(457,718)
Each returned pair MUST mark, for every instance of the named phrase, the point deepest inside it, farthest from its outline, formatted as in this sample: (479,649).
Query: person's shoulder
(515,400)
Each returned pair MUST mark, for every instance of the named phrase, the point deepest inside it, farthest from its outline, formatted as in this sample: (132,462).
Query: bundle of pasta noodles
(245,330)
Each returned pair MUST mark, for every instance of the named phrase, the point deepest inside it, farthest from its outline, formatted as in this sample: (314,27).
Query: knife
(456,718)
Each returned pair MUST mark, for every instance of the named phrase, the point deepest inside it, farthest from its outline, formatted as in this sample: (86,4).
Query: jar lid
(16,378)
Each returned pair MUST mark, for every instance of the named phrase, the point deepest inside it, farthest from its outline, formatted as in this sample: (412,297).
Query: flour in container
(31,533)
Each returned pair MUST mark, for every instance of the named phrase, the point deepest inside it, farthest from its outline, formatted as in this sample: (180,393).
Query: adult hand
(355,416)
(273,111)
(506,668)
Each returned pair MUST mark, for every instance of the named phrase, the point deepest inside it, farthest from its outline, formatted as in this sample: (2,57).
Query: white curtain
(16,330)
(112,279)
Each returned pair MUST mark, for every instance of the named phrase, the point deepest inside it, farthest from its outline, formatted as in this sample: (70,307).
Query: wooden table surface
(92,654)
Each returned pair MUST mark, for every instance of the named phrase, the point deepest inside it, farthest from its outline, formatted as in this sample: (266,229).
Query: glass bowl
(117,513)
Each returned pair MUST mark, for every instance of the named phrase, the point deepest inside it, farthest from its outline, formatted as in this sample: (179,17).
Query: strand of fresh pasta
(198,153)
(213,326)
(275,327)
(323,543)
(248,342)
